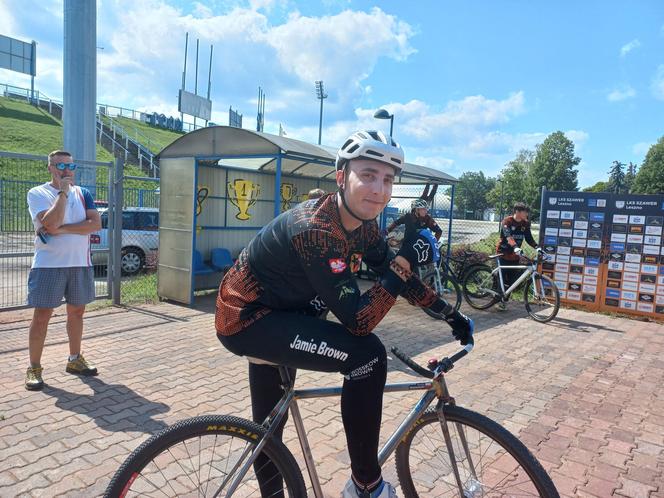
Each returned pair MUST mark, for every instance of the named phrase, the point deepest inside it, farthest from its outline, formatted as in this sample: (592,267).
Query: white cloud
(435,162)
(265,5)
(623,93)
(343,49)
(641,148)
(145,49)
(7,25)
(457,121)
(657,83)
(465,128)
(579,137)
(627,48)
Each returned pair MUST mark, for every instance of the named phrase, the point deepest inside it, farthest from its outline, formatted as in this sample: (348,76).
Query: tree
(617,178)
(554,167)
(630,176)
(470,194)
(650,178)
(599,187)
(512,185)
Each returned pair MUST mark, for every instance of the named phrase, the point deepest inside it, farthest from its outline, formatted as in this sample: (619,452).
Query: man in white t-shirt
(64,215)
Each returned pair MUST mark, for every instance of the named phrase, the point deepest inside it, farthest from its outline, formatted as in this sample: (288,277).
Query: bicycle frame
(531,271)
(437,282)
(435,388)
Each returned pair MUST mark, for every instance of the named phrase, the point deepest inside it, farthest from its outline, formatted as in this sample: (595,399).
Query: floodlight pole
(80,86)
(209,79)
(196,78)
(321,95)
(184,72)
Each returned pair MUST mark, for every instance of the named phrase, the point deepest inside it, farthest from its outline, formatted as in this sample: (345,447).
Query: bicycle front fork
(450,446)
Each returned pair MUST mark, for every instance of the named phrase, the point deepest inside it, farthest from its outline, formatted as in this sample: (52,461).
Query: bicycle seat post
(286,378)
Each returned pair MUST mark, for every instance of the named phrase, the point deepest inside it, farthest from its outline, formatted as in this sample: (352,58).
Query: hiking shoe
(385,490)
(502,306)
(33,379)
(80,366)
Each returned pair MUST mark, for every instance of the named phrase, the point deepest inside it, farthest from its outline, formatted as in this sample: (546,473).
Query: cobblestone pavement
(585,393)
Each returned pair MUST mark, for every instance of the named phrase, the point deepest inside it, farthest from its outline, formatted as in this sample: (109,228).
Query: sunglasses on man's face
(64,166)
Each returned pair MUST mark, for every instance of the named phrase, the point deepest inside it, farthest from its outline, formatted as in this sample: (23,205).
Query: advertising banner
(605,250)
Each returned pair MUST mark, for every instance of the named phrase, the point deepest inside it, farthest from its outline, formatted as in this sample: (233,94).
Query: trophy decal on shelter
(243,194)
(201,195)
(288,191)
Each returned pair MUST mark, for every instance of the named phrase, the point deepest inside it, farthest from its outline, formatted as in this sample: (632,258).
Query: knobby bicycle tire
(473,297)
(453,297)
(172,447)
(428,476)
(556,297)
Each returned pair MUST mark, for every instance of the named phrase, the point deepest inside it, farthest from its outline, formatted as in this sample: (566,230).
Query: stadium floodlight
(321,95)
(383,114)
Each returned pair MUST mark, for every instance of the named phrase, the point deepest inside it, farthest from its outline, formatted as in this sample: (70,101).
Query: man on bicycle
(514,230)
(416,220)
(300,265)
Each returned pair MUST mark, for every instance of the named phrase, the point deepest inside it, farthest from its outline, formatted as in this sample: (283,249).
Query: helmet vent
(374,153)
(353,148)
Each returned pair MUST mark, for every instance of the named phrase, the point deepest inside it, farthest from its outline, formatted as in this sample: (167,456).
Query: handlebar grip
(420,370)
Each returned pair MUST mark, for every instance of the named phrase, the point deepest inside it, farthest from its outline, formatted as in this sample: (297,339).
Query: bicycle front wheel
(495,463)
(479,287)
(542,299)
(201,456)
(451,292)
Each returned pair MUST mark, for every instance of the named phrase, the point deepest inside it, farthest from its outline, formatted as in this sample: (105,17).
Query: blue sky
(469,83)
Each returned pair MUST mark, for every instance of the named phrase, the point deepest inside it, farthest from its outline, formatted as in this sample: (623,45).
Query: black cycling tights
(306,342)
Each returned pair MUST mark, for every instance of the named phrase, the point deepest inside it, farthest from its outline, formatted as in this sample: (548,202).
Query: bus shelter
(220,185)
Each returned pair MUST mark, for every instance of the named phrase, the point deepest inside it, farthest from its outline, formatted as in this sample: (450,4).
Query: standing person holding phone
(64,215)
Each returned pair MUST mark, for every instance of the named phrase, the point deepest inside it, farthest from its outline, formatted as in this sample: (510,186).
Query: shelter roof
(247,149)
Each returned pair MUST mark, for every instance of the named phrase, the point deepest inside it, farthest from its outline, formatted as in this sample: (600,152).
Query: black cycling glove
(462,326)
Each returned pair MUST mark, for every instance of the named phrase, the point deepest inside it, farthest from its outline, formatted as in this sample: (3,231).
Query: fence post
(449,227)
(117,230)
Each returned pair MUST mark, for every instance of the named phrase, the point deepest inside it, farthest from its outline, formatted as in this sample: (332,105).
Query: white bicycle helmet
(419,203)
(371,144)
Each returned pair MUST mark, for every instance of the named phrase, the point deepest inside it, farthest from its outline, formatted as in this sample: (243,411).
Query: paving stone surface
(585,393)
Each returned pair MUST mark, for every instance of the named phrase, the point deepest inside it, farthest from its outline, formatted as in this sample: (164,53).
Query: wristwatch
(61,192)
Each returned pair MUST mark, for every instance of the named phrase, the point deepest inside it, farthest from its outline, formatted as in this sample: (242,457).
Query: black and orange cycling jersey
(414,224)
(519,231)
(304,261)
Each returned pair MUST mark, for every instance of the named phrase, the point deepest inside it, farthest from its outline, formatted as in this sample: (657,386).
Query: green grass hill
(29,130)
(158,137)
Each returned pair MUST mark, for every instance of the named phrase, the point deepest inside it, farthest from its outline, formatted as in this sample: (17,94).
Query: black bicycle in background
(446,275)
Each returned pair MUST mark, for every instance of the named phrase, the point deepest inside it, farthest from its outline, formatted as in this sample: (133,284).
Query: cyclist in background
(416,220)
(303,263)
(514,229)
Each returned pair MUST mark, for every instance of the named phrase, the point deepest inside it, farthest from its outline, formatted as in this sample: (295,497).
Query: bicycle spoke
(485,467)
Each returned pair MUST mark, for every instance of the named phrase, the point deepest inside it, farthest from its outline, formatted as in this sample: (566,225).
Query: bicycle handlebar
(445,364)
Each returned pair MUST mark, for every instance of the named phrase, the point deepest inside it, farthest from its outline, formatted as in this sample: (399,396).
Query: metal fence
(477,235)
(139,244)
(18,174)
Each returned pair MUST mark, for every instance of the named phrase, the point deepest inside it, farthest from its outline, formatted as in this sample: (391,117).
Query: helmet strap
(343,198)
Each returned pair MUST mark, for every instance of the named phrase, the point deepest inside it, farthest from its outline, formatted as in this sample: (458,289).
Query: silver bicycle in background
(484,286)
